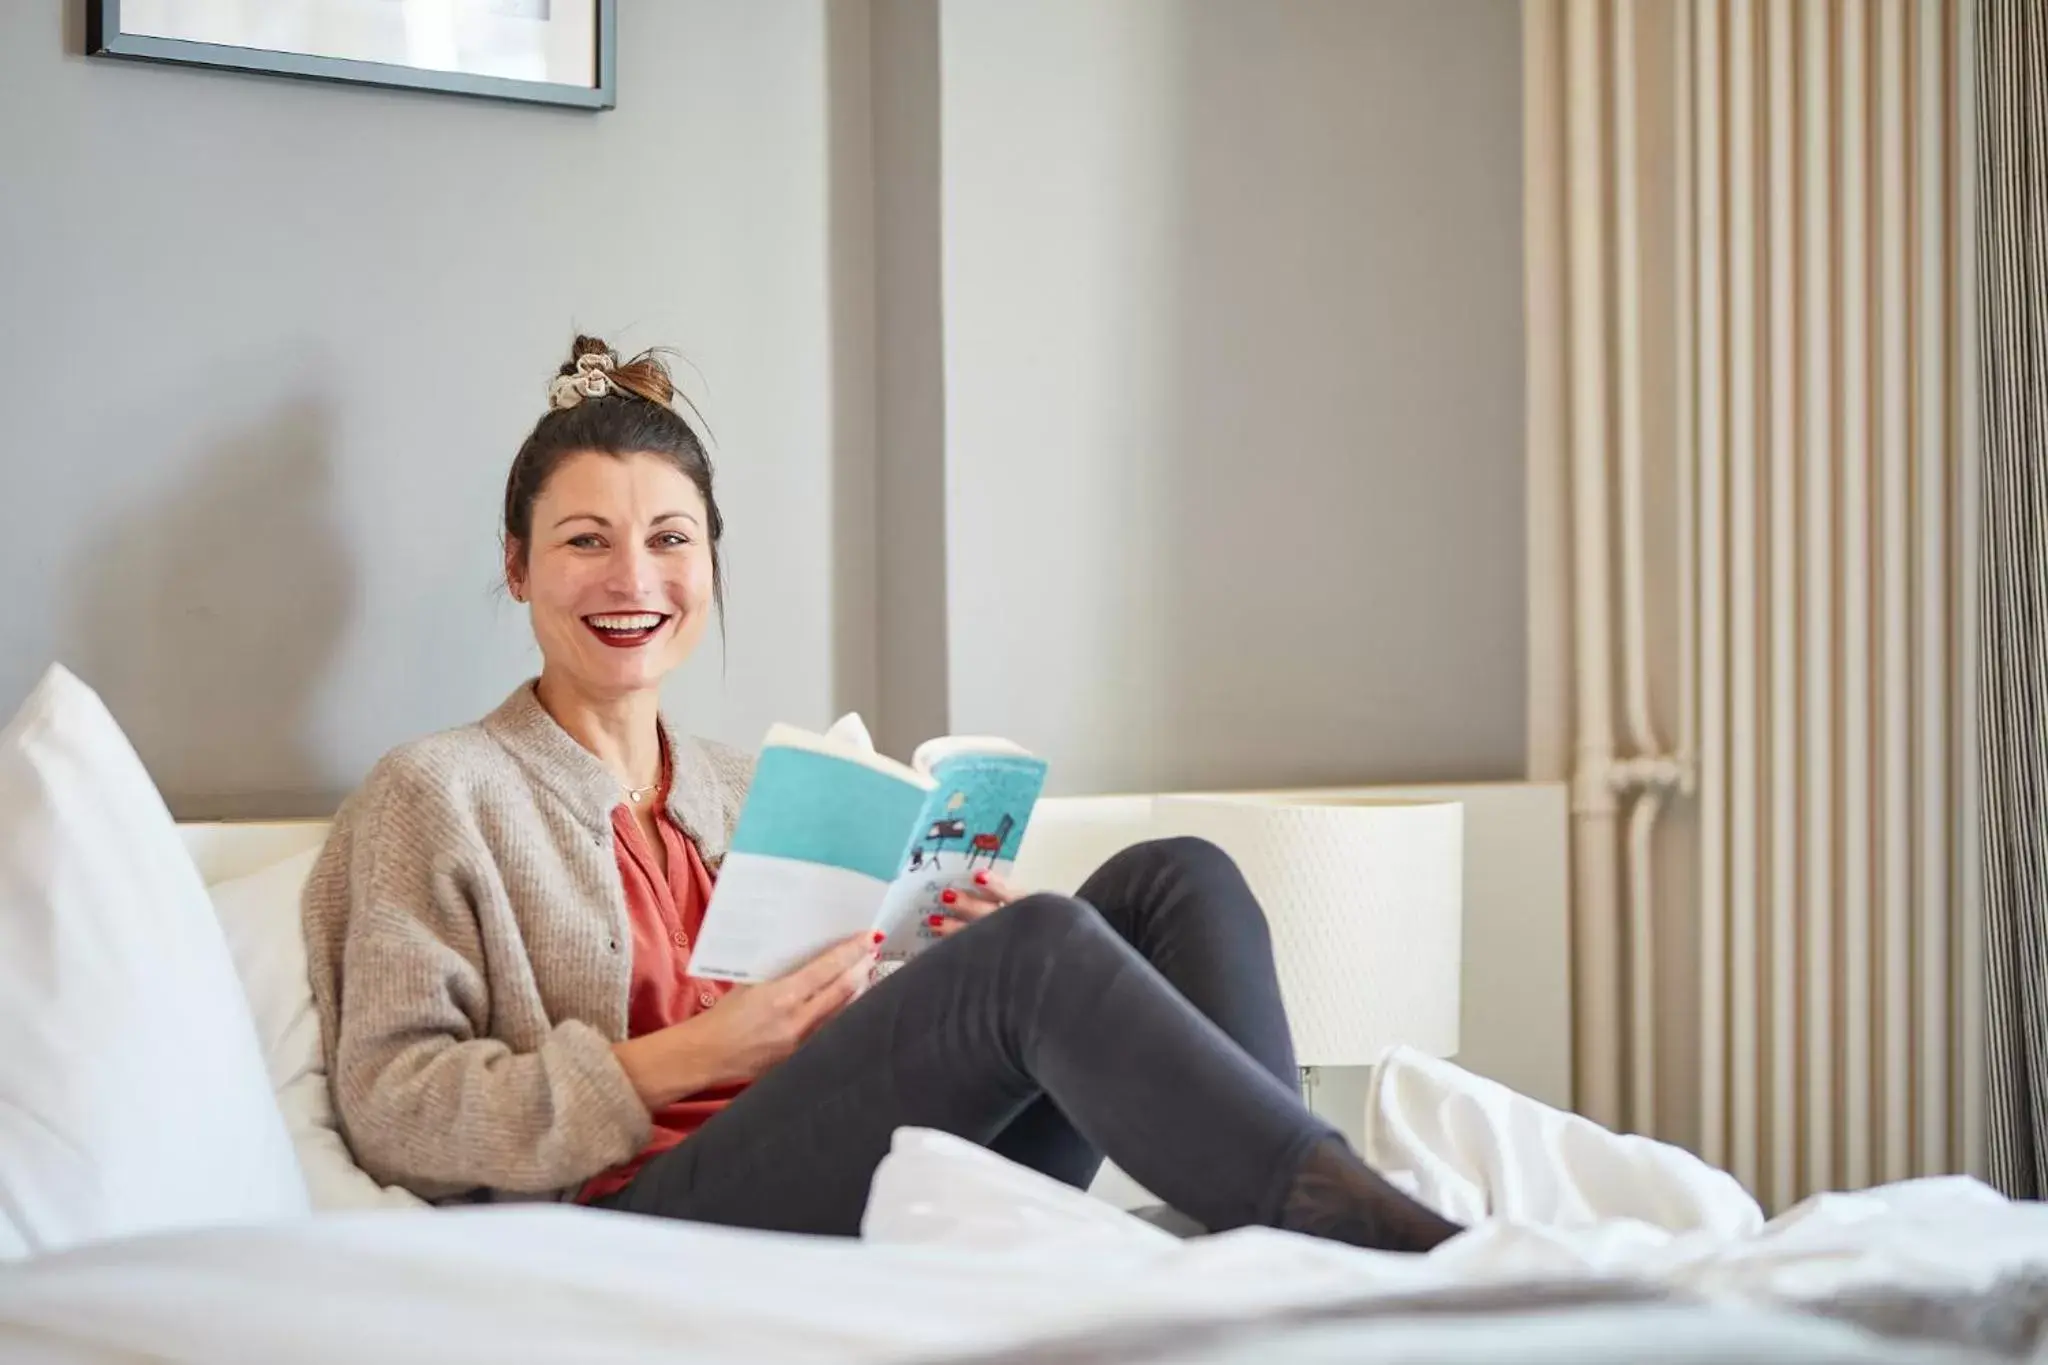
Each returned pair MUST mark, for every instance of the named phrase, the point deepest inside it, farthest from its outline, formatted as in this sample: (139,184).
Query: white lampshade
(1365,900)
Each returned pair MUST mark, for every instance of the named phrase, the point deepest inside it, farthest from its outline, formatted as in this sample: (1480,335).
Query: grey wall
(1233,365)
(1143,380)
(267,346)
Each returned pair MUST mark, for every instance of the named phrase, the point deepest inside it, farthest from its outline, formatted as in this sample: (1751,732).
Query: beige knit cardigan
(470,955)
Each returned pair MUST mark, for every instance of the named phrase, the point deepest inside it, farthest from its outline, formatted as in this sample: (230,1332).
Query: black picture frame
(104,38)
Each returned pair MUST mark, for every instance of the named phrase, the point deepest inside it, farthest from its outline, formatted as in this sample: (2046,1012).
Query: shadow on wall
(208,618)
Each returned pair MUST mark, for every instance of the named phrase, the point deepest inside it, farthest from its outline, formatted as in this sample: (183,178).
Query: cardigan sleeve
(425,1097)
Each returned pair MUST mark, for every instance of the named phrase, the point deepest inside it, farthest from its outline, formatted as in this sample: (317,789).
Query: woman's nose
(632,572)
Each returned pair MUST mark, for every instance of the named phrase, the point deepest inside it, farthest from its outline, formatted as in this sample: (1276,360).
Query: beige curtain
(1748,303)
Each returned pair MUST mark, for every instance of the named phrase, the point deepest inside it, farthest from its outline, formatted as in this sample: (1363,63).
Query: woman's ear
(515,570)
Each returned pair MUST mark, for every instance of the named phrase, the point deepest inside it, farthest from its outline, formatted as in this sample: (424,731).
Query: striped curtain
(2012,163)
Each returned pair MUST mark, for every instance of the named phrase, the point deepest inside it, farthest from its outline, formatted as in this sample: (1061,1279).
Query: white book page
(842,741)
(776,914)
(935,751)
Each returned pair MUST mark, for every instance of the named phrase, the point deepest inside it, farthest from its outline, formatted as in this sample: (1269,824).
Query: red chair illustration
(992,842)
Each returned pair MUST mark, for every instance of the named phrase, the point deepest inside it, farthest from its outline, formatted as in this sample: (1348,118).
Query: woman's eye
(587,541)
(670,540)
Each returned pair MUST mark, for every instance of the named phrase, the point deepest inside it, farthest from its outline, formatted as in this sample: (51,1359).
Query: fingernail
(934,920)
(981,879)
(877,936)
(948,896)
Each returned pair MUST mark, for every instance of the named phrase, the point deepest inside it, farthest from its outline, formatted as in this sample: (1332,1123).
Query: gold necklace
(638,794)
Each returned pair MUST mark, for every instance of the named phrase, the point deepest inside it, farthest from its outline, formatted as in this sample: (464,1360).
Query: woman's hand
(754,1027)
(965,905)
(749,1030)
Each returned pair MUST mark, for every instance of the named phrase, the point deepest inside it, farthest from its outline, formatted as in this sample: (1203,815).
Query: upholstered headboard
(1515,1021)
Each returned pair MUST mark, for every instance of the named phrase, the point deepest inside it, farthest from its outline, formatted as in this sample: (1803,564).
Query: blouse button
(706,999)
(682,939)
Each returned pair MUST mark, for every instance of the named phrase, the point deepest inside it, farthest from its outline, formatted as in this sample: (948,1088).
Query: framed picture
(547,51)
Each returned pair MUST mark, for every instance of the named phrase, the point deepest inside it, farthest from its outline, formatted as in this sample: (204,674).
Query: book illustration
(991,843)
(981,844)
(925,854)
(974,821)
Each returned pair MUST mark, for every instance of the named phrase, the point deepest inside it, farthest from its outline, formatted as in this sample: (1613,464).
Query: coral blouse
(665,913)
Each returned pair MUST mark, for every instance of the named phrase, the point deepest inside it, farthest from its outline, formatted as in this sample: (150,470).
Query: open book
(835,839)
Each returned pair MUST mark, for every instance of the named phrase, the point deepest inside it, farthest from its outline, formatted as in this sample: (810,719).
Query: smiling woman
(612,534)
(612,528)
(500,935)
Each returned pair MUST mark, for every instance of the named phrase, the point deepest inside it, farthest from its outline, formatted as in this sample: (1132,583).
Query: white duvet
(963,1253)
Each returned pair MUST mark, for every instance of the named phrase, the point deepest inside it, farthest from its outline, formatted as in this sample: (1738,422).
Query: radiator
(1762,229)
(1838,986)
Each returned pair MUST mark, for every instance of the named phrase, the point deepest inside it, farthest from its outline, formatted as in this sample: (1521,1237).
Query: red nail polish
(935,920)
(981,879)
(948,896)
(878,936)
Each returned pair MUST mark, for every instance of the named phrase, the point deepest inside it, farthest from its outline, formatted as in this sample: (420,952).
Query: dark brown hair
(637,417)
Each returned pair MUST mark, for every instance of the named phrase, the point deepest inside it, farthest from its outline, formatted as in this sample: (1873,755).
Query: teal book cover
(835,840)
(823,808)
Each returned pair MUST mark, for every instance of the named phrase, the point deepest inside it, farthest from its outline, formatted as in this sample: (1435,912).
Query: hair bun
(593,370)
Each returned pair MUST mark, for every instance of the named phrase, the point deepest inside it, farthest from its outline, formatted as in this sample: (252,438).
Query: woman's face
(618,572)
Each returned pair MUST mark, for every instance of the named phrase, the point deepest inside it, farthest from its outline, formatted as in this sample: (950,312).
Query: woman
(499,931)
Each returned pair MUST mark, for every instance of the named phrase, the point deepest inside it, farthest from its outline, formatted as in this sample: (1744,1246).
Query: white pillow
(259,913)
(132,1093)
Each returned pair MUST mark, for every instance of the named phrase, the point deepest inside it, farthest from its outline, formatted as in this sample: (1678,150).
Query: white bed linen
(259,915)
(1547,1195)
(1552,1193)
(132,1093)
(963,1252)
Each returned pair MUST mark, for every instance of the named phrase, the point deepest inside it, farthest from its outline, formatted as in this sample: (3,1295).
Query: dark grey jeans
(1140,1018)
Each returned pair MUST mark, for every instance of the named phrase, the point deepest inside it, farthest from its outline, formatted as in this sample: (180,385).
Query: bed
(964,1259)
(1591,1247)
(171,1188)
